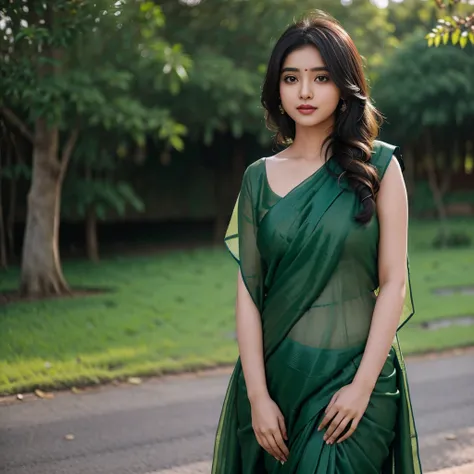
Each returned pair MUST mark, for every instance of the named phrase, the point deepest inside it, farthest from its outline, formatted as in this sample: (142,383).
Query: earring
(343,106)
(282,110)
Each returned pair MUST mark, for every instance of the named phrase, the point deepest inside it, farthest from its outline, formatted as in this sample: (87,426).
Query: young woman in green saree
(320,234)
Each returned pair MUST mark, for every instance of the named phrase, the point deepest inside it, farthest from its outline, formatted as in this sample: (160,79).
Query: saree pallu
(311,271)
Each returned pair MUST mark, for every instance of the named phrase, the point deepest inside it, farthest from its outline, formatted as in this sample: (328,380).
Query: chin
(312,121)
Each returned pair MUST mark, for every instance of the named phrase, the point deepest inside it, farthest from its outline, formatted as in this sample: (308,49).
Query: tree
(58,81)
(92,189)
(427,94)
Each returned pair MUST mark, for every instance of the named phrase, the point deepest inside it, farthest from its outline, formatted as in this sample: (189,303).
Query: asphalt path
(168,422)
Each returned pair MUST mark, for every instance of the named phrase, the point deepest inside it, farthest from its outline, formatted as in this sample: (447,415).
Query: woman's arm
(392,210)
(268,422)
(349,404)
(250,341)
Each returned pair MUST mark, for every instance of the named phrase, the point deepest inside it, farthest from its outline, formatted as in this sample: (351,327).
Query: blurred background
(125,128)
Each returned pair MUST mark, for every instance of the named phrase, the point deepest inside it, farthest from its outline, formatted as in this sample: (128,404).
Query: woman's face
(308,95)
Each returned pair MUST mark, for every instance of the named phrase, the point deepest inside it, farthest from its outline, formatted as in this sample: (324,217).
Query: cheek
(335,95)
(284,92)
(329,100)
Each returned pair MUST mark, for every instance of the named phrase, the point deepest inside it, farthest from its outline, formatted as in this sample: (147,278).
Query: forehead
(305,57)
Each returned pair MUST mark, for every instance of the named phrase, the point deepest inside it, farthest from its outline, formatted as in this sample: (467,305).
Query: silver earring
(343,106)
(282,110)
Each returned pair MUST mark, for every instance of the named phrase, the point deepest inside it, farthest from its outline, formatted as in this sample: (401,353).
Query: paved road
(171,422)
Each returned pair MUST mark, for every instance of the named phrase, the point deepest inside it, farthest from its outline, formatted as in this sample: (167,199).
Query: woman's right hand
(268,424)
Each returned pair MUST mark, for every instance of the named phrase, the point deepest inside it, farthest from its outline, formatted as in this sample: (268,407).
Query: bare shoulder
(276,158)
(392,191)
(393,176)
(394,168)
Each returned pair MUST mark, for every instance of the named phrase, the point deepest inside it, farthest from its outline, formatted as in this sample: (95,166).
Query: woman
(320,234)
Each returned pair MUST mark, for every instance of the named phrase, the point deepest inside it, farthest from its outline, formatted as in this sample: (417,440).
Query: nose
(305,91)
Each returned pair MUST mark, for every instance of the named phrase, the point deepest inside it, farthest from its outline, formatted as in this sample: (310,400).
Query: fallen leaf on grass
(47,395)
(135,380)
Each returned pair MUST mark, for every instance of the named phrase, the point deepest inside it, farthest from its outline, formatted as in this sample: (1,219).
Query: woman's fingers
(333,426)
(350,432)
(331,403)
(264,441)
(269,427)
(275,450)
(281,424)
(337,432)
(330,414)
(282,448)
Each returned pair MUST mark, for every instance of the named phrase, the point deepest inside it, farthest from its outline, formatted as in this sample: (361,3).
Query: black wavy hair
(351,140)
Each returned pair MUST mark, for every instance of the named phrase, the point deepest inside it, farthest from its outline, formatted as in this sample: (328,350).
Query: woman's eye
(290,79)
(322,79)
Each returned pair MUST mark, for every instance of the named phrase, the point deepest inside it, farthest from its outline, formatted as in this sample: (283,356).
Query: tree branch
(17,122)
(68,149)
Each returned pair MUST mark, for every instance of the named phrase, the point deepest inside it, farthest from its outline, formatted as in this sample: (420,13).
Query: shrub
(452,240)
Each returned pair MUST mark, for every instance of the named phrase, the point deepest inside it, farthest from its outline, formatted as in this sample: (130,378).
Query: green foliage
(15,171)
(91,182)
(423,87)
(99,66)
(80,75)
(230,43)
(422,203)
(462,196)
(103,195)
(452,240)
(459,29)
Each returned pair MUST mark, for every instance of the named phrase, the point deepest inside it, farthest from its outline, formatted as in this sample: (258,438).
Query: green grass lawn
(175,312)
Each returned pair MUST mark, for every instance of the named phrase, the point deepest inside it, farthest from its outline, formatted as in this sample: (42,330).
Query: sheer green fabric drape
(312,272)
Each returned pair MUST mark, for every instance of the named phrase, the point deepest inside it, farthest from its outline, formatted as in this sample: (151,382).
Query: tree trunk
(92,243)
(41,272)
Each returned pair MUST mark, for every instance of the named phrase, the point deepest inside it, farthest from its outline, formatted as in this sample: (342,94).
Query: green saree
(311,270)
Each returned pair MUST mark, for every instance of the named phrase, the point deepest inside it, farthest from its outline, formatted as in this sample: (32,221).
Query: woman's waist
(335,325)
(338,297)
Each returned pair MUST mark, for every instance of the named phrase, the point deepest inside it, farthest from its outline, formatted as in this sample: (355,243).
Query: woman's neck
(308,142)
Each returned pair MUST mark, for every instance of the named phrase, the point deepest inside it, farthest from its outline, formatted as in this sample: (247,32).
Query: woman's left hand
(348,405)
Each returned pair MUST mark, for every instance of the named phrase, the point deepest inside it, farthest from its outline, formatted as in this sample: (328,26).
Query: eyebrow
(295,69)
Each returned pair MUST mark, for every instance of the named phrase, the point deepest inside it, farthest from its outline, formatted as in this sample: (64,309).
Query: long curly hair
(351,140)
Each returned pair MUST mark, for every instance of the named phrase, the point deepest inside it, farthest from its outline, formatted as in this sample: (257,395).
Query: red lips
(306,109)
